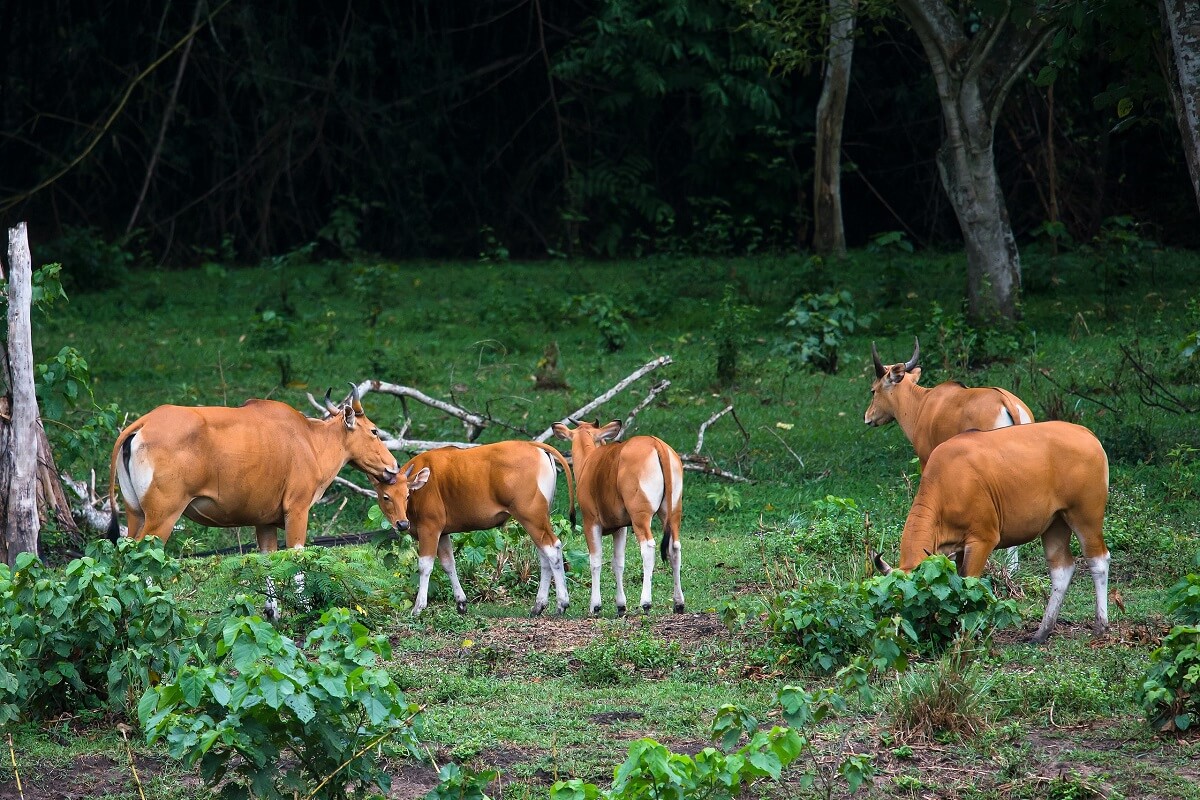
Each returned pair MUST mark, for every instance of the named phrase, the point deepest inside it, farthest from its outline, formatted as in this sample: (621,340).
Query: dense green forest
(140,135)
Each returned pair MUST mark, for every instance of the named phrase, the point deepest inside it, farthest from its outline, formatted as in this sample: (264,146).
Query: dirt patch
(609,717)
(412,781)
(86,776)
(1124,633)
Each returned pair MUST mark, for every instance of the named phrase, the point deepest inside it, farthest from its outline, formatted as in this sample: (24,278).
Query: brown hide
(1001,488)
(263,464)
(474,489)
(929,417)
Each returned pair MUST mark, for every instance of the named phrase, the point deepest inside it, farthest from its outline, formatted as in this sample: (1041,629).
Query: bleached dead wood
(91,510)
(617,388)
(658,389)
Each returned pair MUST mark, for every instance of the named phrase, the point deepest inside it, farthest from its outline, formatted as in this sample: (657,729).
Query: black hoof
(595,610)
(679,608)
(620,611)
(536,611)
(645,608)
(462,606)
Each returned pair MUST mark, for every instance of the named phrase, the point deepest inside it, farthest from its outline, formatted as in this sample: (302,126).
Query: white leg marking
(1099,568)
(543,595)
(595,561)
(618,566)
(647,547)
(1060,579)
(555,558)
(271,609)
(446,556)
(675,562)
(424,569)
(301,587)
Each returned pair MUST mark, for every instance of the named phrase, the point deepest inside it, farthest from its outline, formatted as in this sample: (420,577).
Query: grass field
(555,698)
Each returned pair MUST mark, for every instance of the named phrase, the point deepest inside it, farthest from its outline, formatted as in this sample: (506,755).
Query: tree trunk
(829,236)
(1181,26)
(18,461)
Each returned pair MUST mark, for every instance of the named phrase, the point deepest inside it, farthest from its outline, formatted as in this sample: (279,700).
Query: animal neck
(582,448)
(920,537)
(329,448)
(909,399)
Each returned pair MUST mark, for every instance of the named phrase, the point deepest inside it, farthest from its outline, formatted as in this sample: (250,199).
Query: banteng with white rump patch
(452,490)
(263,464)
(623,484)
(987,489)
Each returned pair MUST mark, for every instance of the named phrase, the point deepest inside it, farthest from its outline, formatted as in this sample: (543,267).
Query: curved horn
(354,402)
(879,370)
(880,564)
(911,364)
(329,406)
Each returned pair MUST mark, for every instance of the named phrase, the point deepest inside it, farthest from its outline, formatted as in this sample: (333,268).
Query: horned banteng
(986,489)
(263,464)
(623,484)
(452,490)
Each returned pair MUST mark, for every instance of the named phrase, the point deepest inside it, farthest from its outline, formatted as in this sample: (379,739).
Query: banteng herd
(991,478)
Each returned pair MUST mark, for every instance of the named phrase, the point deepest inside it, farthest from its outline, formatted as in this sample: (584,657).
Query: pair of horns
(353,400)
(909,365)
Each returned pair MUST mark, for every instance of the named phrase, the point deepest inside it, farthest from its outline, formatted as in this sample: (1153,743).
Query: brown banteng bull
(929,417)
(452,490)
(987,489)
(263,464)
(623,484)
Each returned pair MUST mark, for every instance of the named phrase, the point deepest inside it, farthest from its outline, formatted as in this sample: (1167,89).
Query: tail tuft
(114,530)
(664,547)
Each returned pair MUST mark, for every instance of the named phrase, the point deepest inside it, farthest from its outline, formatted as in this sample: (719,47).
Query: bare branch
(89,510)
(610,394)
(658,389)
(473,422)
(695,463)
(704,428)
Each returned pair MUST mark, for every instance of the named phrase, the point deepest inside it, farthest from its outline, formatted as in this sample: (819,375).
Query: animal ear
(916,373)
(609,431)
(561,431)
(418,480)
(348,417)
(895,374)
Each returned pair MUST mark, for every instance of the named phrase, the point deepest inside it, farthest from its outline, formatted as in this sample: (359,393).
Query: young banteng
(452,490)
(987,489)
(623,484)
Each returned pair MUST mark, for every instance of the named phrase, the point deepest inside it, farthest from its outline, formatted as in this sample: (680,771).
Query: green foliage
(91,635)
(725,498)
(493,251)
(823,624)
(609,317)
(345,227)
(963,346)
(817,326)
(1074,786)
(62,382)
(893,251)
(1170,694)
(1118,252)
(616,659)
(263,718)
(729,335)
(652,771)
(947,696)
(456,783)
(1183,599)
(90,260)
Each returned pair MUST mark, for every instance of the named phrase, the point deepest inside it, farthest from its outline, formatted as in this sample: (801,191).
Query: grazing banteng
(929,417)
(625,484)
(987,489)
(263,464)
(452,490)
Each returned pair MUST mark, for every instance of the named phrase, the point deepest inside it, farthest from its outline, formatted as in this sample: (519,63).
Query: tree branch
(610,394)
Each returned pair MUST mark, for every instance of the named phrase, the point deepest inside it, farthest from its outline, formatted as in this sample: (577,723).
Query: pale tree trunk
(829,236)
(974,74)
(18,461)
(1181,26)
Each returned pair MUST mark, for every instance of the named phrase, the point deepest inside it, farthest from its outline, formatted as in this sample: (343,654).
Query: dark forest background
(443,129)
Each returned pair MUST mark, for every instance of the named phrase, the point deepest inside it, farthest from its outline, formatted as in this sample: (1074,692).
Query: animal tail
(557,455)
(1013,405)
(664,461)
(121,450)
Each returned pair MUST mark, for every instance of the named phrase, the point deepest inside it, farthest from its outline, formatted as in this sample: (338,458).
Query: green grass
(563,698)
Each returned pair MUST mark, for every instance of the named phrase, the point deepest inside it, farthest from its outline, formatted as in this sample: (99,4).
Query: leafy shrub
(1183,599)
(893,249)
(268,719)
(1170,694)
(91,635)
(457,783)
(91,262)
(729,334)
(606,315)
(817,326)
(613,659)
(1139,531)
(963,346)
(725,498)
(824,624)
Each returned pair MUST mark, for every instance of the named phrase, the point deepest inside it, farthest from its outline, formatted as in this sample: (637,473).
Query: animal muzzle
(402,525)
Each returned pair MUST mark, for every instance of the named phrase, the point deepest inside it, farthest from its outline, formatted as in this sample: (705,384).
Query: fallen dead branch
(90,509)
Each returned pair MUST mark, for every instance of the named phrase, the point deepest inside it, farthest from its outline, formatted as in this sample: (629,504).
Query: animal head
(393,497)
(888,379)
(587,435)
(363,442)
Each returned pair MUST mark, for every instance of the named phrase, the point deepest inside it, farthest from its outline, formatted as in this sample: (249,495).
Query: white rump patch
(651,481)
(547,478)
(135,481)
